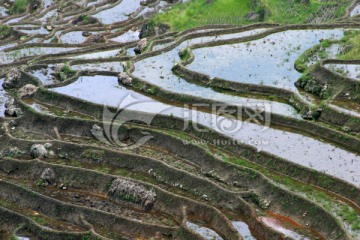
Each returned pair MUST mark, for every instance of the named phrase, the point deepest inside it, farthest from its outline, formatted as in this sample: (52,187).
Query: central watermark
(227,119)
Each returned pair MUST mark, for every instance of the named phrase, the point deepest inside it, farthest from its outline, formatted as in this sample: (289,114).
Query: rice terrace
(180,119)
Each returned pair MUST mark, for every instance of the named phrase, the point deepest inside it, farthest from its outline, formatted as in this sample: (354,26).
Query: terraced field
(149,119)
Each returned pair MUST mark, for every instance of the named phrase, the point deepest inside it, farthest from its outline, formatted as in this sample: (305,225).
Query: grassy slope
(199,12)
(352,44)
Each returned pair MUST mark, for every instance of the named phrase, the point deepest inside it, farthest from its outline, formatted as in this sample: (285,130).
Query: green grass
(284,11)
(199,12)
(202,12)
(5,31)
(18,7)
(352,45)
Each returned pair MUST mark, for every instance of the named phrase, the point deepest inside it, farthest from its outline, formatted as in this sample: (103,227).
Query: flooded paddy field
(116,126)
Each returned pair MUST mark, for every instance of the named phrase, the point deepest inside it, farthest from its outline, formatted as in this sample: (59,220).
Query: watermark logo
(227,119)
(114,121)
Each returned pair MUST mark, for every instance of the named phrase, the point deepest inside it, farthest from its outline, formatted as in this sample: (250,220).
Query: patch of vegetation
(65,72)
(5,31)
(84,18)
(19,6)
(96,155)
(184,54)
(202,12)
(351,44)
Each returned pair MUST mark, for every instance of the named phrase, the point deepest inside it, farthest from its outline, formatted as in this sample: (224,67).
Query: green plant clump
(5,31)
(19,6)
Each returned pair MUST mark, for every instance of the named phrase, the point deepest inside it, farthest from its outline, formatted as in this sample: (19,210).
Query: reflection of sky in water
(73,37)
(347,70)
(8,57)
(297,148)
(207,233)
(355,11)
(119,12)
(268,61)
(243,229)
(157,70)
(127,36)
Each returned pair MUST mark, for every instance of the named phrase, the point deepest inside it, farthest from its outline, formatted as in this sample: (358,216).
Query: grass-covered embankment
(351,46)
(203,12)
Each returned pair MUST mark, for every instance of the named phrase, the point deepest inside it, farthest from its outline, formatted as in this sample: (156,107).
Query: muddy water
(294,147)
(347,70)
(268,61)
(118,13)
(347,104)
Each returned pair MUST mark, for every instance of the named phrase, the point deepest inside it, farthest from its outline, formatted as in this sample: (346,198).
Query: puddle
(118,13)
(268,61)
(294,147)
(128,36)
(243,229)
(355,11)
(207,233)
(347,70)
(101,66)
(277,225)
